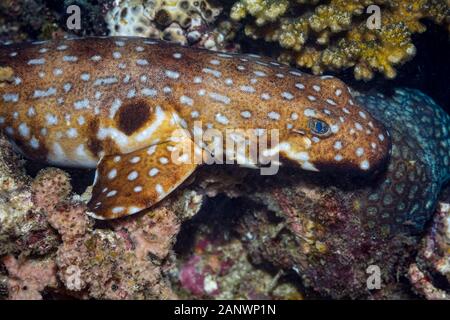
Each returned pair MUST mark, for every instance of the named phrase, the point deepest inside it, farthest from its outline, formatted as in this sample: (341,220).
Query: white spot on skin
(35,62)
(260,73)
(135,160)
(338,92)
(96,58)
(31,112)
(51,119)
(81,104)
(117,103)
(246,114)
(187,101)
(219,98)
(167,90)
(159,189)
(72,133)
(44,94)
(287,95)
(85,76)
(153,172)
(24,130)
(365,165)
(381,137)
(172,74)
(105,81)
(358,126)
(137,189)
(70,59)
(359,152)
(334,128)
(312,98)
(139,49)
(142,62)
(67,87)
(131,93)
(316,88)
(309,112)
(133,176)
(147,92)
(215,62)
(294,116)
(338,157)
(274,115)
(118,210)
(117,55)
(11,97)
(337,145)
(151,150)
(300,86)
(194,114)
(112,174)
(329,101)
(177,55)
(62,47)
(265,96)
(198,80)
(57,72)
(163,160)
(248,89)
(34,143)
(220,118)
(215,73)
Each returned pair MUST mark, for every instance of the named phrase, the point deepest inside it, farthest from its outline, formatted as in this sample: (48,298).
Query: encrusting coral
(334,35)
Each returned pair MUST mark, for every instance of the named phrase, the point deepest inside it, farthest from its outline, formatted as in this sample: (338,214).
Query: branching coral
(334,35)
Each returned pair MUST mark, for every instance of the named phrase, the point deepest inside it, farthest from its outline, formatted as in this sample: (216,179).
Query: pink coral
(27,279)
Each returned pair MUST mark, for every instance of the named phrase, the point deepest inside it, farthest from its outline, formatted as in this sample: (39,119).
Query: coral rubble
(334,35)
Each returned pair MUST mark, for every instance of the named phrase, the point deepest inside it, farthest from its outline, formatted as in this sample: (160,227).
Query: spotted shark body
(125,105)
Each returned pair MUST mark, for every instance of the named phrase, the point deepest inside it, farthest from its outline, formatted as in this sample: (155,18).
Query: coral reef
(334,35)
(180,21)
(331,235)
(433,260)
(259,238)
(29,278)
(212,262)
(124,260)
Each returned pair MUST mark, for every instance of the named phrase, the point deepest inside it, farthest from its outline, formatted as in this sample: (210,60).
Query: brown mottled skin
(98,98)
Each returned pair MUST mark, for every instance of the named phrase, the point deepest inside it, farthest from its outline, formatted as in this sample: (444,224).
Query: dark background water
(429,71)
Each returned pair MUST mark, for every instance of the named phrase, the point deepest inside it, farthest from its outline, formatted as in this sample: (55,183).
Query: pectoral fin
(127,184)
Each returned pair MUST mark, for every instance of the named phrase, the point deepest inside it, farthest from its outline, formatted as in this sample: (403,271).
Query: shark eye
(318,127)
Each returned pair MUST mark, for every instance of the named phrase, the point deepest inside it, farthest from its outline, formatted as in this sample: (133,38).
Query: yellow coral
(333,35)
